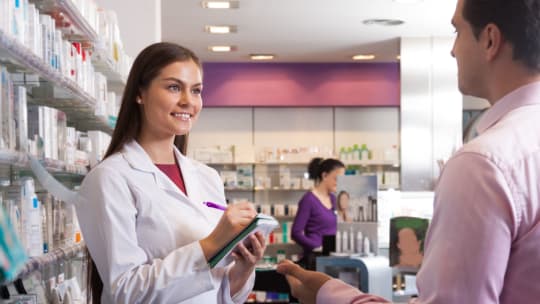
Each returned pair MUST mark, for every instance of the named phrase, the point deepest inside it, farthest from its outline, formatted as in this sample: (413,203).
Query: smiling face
(172,102)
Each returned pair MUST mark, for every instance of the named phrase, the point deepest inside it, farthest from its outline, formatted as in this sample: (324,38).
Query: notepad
(262,222)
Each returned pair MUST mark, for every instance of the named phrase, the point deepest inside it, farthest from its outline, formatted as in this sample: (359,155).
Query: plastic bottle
(338,241)
(364,155)
(367,249)
(356,152)
(345,242)
(359,247)
(281,255)
(351,239)
(342,154)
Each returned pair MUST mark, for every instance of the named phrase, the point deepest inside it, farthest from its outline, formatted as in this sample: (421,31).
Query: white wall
(376,127)
(222,126)
(139,22)
(297,127)
(293,127)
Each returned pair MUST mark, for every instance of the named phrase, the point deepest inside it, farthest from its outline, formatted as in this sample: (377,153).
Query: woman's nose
(185,98)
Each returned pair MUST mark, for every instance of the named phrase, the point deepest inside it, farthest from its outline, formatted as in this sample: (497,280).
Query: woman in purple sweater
(316,216)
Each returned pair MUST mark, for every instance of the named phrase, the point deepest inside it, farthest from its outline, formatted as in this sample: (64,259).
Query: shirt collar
(526,95)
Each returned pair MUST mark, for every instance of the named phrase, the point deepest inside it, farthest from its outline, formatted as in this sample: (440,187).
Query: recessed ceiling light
(222,48)
(363,57)
(261,56)
(220,29)
(384,22)
(220,4)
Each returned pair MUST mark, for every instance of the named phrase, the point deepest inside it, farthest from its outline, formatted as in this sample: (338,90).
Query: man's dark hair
(518,21)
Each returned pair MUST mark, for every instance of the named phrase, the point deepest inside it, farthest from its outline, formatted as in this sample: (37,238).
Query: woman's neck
(160,150)
(321,190)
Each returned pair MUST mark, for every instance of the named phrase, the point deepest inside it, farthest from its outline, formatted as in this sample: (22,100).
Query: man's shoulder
(508,141)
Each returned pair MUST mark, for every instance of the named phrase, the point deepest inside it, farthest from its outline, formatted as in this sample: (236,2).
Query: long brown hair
(145,69)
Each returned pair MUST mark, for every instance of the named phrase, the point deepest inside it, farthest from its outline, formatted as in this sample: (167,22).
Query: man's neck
(514,77)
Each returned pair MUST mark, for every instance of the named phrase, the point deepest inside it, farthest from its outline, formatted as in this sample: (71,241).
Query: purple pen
(214,205)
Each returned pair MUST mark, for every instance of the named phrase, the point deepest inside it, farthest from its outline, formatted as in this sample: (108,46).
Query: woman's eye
(173,88)
(196,91)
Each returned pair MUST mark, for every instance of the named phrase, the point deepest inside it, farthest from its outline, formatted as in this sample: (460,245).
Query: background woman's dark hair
(146,68)
(518,20)
(318,166)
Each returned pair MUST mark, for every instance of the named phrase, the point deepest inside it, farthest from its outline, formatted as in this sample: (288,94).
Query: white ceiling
(304,30)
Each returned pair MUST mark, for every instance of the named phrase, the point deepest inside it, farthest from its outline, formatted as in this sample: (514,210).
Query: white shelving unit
(82,30)
(21,160)
(55,90)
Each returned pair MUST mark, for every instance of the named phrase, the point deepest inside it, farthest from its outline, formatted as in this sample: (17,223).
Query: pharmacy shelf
(58,91)
(82,30)
(279,189)
(106,65)
(238,189)
(21,160)
(298,163)
(41,262)
(371,162)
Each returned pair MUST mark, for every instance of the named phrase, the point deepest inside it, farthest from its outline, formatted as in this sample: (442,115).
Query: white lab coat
(143,232)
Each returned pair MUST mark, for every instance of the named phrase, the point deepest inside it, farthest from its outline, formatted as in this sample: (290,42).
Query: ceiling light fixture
(220,4)
(383,22)
(222,48)
(262,56)
(220,29)
(363,57)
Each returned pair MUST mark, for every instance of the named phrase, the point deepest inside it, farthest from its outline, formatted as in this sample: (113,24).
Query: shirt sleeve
(299,225)
(469,239)
(336,291)
(107,216)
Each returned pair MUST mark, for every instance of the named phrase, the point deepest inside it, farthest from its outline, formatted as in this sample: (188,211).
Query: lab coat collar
(138,159)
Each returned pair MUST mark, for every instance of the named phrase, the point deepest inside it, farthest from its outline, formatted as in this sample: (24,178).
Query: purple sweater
(313,220)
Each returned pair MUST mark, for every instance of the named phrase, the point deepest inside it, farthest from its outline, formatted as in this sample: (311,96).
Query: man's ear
(492,41)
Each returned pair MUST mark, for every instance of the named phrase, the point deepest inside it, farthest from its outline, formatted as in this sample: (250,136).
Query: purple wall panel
(301,84)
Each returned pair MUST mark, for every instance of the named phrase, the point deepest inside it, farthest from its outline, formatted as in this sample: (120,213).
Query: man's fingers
(295,285)
(289,268)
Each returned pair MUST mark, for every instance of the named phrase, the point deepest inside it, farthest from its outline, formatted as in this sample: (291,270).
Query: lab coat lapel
(191,181)
(139,160)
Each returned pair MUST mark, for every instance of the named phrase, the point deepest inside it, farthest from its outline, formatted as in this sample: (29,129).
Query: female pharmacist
(316,216)
(141,210)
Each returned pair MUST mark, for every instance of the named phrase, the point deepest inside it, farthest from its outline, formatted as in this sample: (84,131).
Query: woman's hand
(234,219)
(245,258)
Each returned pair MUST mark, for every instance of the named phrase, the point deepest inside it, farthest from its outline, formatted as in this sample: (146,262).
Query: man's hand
(304,284)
